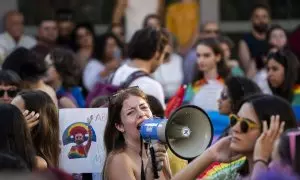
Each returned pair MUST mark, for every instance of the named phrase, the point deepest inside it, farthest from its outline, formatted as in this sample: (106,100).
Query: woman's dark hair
(291,65)
(101,43)
(9,78)
(66,65)
(266,106)
(222,68)
(150,16)
(100,101)
(227,40)
(29,65)
(239,87)
(15,136)
(145,43)
(272,28)
(113,139)
(45,135)
(85,25)
(279,106)
(155,106)
(284,149)
(12,163)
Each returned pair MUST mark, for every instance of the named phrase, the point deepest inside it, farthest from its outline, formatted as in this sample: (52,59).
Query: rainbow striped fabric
(185,94)
(222,170)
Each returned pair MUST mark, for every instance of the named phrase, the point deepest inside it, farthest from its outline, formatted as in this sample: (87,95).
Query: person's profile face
(52,75)
(134,111)
(160,58)
(244,142)
(224,102)
(276,73)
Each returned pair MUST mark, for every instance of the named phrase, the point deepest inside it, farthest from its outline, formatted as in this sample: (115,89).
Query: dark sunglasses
(167,55)
(224,96)
(10,93)
(245,124)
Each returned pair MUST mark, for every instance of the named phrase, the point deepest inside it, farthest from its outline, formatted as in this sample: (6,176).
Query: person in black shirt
(254,46)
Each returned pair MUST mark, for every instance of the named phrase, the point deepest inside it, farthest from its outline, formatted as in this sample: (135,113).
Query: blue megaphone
(188,131)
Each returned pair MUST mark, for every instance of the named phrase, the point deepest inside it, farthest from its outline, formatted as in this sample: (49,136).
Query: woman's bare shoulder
(41,163)
(119,158)
(119,165)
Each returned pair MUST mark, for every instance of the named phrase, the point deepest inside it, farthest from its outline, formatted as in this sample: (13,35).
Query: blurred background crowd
(217,52)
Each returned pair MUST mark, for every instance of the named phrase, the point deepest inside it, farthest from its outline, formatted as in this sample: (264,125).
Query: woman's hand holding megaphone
(160,153)
(221,151)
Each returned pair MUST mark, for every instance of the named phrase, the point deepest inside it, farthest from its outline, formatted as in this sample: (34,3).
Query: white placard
(81,135)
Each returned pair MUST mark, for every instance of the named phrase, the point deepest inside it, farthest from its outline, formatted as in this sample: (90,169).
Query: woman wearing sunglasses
(9,85)
(234,90)
(246,128)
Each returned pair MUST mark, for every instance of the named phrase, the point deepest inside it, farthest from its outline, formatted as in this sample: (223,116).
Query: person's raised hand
(32,118)
(265,143)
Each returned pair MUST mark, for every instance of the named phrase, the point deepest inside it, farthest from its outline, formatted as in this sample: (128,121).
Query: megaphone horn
(188,132)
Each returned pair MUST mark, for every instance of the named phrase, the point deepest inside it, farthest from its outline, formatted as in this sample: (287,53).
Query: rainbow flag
(297,89)
(221,170)
(185,94)
(188,94)
(176,101)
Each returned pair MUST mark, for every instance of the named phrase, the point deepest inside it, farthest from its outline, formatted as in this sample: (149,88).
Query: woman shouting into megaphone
(127,156)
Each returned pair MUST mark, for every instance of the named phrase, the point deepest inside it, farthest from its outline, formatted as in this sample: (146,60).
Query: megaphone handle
(154,165)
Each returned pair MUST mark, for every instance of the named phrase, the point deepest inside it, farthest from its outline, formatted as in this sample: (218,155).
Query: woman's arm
(219,152)
(195,167)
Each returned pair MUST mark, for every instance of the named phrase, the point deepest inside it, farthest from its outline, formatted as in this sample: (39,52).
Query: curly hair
(66,65)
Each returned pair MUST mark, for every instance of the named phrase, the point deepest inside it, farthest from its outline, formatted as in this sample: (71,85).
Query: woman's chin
(234,146)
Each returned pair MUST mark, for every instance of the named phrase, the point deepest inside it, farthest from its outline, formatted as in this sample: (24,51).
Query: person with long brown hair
(15,137)
(45,130)
(124,149)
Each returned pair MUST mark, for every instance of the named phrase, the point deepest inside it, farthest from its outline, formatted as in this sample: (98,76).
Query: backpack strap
(133,77)
(110,78)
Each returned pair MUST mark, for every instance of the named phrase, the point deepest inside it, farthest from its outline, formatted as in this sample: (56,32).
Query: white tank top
(136,11)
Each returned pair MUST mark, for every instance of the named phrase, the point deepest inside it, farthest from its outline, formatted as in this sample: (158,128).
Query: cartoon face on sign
(81,134)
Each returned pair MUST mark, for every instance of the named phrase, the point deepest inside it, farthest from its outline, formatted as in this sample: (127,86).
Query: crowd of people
(146,68)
